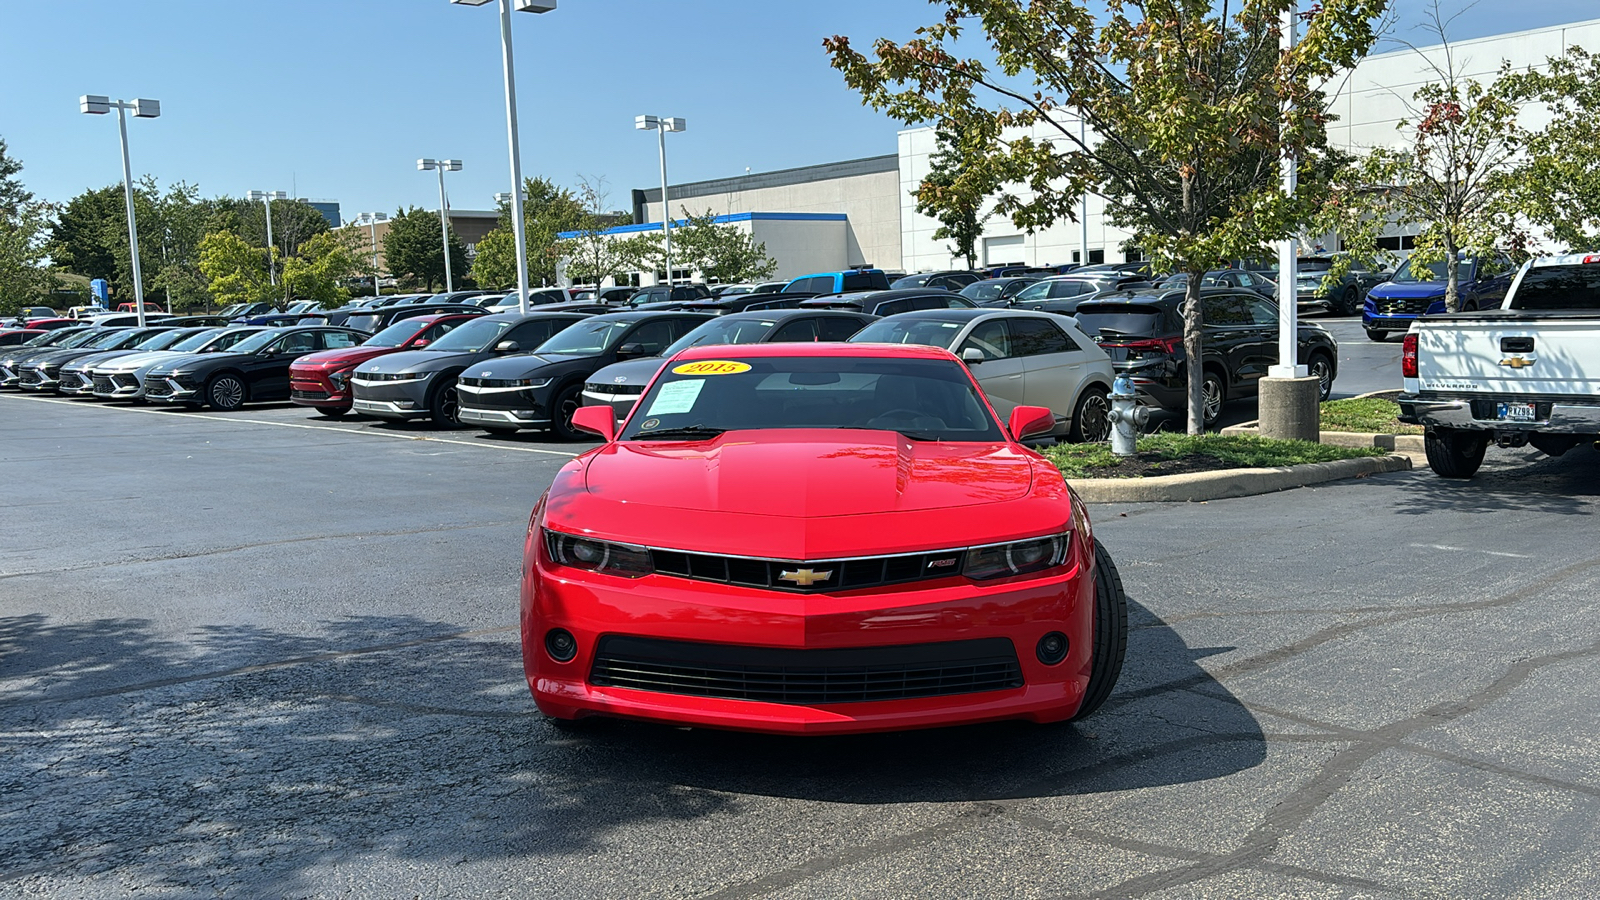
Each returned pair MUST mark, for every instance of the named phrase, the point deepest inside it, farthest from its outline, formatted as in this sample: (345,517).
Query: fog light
(562,646)
(406,404)
(1052,648)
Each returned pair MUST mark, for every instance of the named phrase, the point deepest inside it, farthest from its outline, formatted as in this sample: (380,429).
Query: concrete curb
(1403,443)
(1200,486)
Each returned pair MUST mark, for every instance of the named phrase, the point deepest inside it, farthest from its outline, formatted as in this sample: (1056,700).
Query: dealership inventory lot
(265,654)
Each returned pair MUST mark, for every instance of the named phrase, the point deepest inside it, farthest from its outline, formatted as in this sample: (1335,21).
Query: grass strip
(1217,451)
(1366,415)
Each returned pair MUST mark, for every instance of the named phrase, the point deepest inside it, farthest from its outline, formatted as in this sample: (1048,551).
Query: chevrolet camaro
(817,538)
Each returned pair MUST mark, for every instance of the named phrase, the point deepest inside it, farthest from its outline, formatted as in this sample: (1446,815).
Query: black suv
(888,303)
(1142,331)
(660,296)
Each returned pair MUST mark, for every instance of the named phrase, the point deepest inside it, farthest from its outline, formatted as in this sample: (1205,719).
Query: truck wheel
(1455,454)
(1110,633)
(1375,335)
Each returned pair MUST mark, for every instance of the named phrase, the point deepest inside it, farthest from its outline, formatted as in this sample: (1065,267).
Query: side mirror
(418,345)
(507,347)
(972,356)
(1027,421)
(630,351)
(599,420)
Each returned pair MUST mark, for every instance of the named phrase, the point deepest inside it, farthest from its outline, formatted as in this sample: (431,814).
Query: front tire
(444,407)
(562,408)
(1455,454)
(1375,335)
(1110,633)
(1091,421)
(225,393)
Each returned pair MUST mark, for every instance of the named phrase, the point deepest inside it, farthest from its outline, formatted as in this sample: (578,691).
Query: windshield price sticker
(711,367)
(677,397)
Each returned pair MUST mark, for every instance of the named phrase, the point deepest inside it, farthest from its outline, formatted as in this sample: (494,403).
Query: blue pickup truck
(1419,291)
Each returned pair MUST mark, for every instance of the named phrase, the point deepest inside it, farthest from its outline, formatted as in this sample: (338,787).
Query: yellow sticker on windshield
(711,367)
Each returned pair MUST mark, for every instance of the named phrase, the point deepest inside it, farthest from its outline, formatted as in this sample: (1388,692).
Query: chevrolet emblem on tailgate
(806,577)
(1517,362)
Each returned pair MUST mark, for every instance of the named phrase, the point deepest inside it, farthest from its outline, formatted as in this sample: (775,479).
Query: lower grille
(158,388)
(784,675)
(827,575)
(1397,306)
(72,381)
(308,395)
(30,376)
(103,384)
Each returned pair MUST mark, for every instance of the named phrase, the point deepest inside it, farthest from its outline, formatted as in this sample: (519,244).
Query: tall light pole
(267,197)
(99,105)
(371,220)
(442,166)
(662,125)
(518,228)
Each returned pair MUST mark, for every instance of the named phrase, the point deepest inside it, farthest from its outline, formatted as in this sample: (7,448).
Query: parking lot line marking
(1471,550)
(358,431)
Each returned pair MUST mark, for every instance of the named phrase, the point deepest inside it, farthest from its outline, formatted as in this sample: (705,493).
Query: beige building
(470,225)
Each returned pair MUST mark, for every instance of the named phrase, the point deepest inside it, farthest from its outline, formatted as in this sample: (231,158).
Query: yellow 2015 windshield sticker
(711,367)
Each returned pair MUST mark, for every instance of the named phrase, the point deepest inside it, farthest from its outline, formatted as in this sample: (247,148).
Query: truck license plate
(1517,412)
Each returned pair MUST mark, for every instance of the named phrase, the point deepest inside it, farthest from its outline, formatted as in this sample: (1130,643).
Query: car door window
(1263,313)
(1244,279)
(993,338)
(930,303)
(1063,289)
(337,340)
(299,343)
(803,330)
(528,335)
(440,329)
(892,307)
(1225,310)
(1039,290)
(653,337)
(839,328)
(1035,337)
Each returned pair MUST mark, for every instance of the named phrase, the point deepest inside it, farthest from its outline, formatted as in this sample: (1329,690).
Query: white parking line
(1472,550)
(354,431)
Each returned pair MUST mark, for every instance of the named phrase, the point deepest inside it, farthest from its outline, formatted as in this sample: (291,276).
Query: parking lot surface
(262,654)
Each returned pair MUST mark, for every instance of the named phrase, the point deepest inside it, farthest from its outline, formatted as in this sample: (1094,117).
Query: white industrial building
(862,212)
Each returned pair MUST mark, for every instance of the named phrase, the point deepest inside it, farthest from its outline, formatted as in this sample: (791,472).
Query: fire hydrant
(1127,417)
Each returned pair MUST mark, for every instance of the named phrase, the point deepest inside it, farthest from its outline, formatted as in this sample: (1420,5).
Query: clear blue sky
(337,99)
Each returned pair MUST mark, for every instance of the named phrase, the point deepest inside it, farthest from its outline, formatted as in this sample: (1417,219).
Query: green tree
(235,272)
(1555,182)
(12,195)
(88,232)
(1180,121)
(293,222)
(592,255)
(319,270)
(547,211)
(412,247)
(721,253)
(956,189)
(24,277)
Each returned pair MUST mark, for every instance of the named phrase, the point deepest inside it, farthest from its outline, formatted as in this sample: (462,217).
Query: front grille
(158,388)
(125,381)
(493,382)
(71,381)
(787,675)
(103,384)
(1411,306)
(841,575)
(624,389)
(308,395)
(30,376)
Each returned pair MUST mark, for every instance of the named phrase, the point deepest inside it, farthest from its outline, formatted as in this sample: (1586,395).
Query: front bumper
(117,386)
(391,399)
(722,621)
(75,383)
(315,389)
(167,389)
(621,403)
(39,380)
(1564,415)
(505,407)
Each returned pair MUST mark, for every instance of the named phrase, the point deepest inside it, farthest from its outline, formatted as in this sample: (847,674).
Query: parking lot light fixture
(267,197)
(662,125)
(99,105)
(517,227)
(371,220)
(442,166)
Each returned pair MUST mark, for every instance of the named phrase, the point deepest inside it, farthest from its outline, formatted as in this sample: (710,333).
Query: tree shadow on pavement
(1522,480)
(245,759)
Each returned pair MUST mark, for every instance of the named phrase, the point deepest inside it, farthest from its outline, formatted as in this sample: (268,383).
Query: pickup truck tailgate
(1518,355)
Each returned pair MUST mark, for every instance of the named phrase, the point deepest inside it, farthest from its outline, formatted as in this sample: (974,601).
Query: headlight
(626,560)
(531,382)
(392,376)
(340,380)
(1017,557)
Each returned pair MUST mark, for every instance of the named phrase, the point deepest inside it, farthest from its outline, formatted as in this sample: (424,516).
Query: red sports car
(817,538)
(322,380)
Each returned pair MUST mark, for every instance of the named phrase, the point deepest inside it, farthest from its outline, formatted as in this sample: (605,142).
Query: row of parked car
(456,363)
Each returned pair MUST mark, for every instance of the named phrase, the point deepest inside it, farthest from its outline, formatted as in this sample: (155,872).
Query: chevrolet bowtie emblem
(1517,362)
(806,577)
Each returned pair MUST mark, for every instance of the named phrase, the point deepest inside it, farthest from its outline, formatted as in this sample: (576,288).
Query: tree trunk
(1193,350)
(1452,272)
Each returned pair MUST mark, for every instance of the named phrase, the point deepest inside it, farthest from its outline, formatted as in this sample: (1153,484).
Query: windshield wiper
(913,435)
(686,431)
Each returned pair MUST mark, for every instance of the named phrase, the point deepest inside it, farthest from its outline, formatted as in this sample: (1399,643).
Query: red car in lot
(817,538)
(322,380)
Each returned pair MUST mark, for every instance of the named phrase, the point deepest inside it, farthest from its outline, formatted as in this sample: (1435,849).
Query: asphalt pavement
(260,654)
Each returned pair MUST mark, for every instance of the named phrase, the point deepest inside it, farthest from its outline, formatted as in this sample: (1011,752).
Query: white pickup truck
(1527,373)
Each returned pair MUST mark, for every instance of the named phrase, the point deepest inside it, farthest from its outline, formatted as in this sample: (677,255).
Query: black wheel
(1110,633)
(332,412)
(1322,367)
(562,407)
(225,393)
(1375,335)
(1347,302)
(444,407)
(1455,454)
(1213,393)
(1091,421)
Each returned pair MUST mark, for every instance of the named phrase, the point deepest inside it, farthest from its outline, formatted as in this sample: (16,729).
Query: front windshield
(983,291)
(722,331)
(255,342)
(1409,274)
(196,341)
(82,338)
(586,338)
(479,334)
(923,399)
(49,339)
(106,341)
(396,334)
(909,330)
(364,322)
(161,341)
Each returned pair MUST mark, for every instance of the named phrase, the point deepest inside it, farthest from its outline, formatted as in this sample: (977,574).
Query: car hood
(60,357)
(522,365)
(1420,290)
(808,494)
(420,361)
(94,359)
(186,361)
(345,356)
(633,371)
(137,360)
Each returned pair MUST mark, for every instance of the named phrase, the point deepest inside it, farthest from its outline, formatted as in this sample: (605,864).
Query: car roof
(889,294)
(788,313)
(519,317)
(967,314)
(816,349)
(1158,295)
(634,315)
